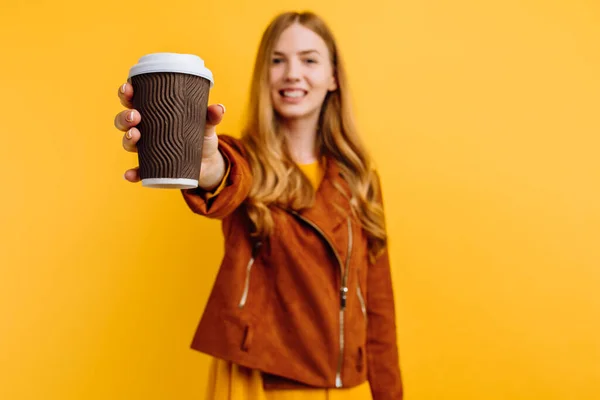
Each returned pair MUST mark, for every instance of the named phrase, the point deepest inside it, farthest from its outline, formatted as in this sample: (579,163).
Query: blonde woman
(302,307)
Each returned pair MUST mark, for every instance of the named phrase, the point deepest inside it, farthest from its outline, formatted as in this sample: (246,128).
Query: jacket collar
(332,199)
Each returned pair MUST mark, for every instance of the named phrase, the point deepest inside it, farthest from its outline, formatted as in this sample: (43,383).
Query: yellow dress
(228,381)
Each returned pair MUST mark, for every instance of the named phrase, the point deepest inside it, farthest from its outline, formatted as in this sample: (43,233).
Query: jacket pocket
(247,338)
(360,359)
(231,332)
(244,298)
(246,291)
(361,301)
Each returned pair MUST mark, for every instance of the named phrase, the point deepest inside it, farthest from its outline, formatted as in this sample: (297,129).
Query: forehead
(297,38)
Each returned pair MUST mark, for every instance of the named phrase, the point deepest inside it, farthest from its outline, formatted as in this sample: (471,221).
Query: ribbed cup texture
(173,109)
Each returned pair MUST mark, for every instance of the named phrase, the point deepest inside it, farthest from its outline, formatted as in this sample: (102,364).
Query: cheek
(320,76)
(274,75)
(319,79)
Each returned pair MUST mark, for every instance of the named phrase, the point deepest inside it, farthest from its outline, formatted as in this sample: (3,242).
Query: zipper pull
(255,248)
(343,296)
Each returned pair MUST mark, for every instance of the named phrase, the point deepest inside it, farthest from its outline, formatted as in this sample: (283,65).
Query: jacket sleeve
(382,350)
(232,193)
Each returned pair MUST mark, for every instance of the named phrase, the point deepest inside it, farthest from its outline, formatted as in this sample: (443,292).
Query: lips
(293,93)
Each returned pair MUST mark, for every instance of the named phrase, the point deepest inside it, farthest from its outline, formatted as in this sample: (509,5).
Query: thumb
(214,115)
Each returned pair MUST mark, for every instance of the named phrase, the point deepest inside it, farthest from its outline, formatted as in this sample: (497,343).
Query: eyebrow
(302,53)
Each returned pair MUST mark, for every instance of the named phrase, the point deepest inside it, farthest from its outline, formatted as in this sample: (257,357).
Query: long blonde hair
(277,180)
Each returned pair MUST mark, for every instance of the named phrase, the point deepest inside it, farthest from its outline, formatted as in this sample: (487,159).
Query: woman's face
(301,73)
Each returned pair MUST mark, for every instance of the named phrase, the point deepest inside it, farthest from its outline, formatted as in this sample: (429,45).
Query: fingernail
(223,107)
(123,88)
(130,117)
(128,134)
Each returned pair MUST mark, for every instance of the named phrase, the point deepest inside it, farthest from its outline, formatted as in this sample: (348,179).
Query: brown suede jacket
(307,308)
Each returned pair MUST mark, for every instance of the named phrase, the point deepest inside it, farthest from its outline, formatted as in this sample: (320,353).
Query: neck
(301,135)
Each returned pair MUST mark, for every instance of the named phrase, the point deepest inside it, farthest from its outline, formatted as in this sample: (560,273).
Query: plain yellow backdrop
(483,119)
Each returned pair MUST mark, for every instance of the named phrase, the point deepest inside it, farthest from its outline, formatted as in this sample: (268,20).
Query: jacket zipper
(343,289)
(343,298)
(244,298)
(361,299)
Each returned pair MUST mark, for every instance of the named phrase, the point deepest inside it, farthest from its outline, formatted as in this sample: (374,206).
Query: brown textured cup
(172,99)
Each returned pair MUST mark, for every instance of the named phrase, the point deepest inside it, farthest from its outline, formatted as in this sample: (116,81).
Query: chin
(290,115)
(287,113)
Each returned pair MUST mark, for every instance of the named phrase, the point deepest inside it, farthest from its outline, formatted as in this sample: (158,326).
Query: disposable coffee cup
(170,90)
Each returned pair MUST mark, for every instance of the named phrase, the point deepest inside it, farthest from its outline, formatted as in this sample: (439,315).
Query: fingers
(132,175)
(130,139)
(214,116)
(127,119)
(126,94)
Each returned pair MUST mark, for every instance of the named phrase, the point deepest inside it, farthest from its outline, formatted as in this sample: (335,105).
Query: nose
(293,71)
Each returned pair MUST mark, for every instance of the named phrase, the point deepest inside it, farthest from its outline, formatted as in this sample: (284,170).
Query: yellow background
(483,118)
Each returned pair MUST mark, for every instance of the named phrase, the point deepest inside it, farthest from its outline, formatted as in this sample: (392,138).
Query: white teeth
(293,93)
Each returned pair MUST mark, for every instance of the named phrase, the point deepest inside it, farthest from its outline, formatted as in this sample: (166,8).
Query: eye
(277,60)
(310,61)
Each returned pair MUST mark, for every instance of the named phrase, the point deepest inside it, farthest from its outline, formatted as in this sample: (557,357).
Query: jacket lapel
(332,206)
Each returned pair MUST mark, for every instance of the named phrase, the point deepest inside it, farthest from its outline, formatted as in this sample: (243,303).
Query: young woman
(302,306)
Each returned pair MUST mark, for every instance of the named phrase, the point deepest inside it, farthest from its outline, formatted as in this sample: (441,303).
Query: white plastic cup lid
(172,62)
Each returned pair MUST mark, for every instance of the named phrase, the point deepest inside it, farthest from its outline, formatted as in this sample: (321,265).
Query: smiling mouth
(293,93)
